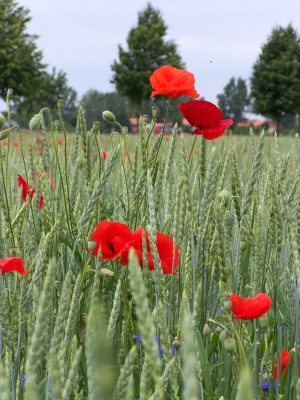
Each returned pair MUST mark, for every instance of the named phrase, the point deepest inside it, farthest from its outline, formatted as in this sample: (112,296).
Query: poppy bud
(223,336)
(9,92)
(35,122)
(106,272)
(122,357)
(145,118)
(2,120)
(243,245)
(109,117)
(56,124)
(176,343)
(60,104)
(91,244)
(229,220)
(13,251)
(264,321)
(218,330)
(227,270)
(206,330)
(96,126)
(229,345)
(224,198)
(155,112)
(228,305)
(4,134)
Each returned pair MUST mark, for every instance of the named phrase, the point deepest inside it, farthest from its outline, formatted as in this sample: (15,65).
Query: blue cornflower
(205,269)
(138,339)
(173,352)
(265,385)
(23,381)
(219,309)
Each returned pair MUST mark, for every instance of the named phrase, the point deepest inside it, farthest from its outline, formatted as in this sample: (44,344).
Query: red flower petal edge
(13,264)
(285,357)
(250,308)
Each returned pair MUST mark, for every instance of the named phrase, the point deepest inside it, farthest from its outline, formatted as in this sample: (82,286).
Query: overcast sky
(217,39)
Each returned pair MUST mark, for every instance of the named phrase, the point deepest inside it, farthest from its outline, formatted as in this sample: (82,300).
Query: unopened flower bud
(35,122)
(96,126)
(45,164)
(155,112)
(4,134)
(60,104)
(228,305)
(176,343)
(243,245)
(224,198)
(218,330)
(229,220)
(229,345)
(91,244)
(106,272)
(206,330)
(223,336)
(56,124)
(109,117)
(9,92)
(145,118)
(227,270)
(2,120)
(264,321)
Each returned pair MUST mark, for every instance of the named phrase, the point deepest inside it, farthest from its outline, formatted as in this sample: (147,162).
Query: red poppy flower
(13,264)
(251,308)
(167,252)
(26,189)
(104,154)
(205,117)
(173,82)
(113,238)
(41,203)
(285,357)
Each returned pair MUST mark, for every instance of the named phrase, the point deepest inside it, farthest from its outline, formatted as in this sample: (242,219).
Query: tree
(147,51)
(94,103)
(20,61)
(51,87)
(234,100)
(275,81)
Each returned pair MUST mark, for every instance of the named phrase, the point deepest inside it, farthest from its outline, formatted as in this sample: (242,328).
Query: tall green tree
(94,103)
(234,100)
(275,81)
(147,51)
(20,62)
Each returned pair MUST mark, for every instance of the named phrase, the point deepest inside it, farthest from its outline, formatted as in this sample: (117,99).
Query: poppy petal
(13,264)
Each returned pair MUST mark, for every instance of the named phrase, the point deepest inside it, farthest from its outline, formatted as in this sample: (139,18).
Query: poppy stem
(191,152)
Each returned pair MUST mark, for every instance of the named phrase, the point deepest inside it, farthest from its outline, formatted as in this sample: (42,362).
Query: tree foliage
(275,82)
(20,61)
(147,51)
(234,100)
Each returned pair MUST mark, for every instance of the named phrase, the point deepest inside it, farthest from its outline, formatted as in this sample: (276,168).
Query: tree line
(274,90)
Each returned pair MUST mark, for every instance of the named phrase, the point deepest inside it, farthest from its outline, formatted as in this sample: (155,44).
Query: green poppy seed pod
(229,345)
(96,126)
(56,124)
(229,220)
(106,272)
(13,251)
(2,120)
(91,244)
(206,330)
(155,112)
(109,117)
(35,122)
(218,330)
(244,245)
(228,305)
(9,92)
(224,198)
(264,321)
(125,130)
(60,104)
(4,134)
(122,357)
(222,336)
(227,270)
(145,118)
